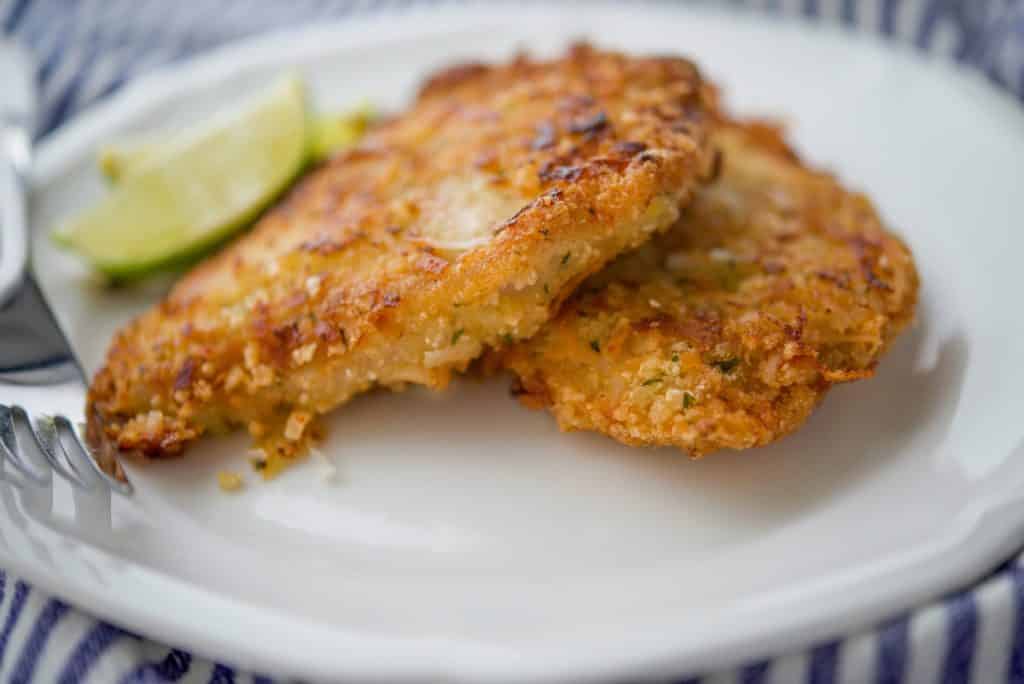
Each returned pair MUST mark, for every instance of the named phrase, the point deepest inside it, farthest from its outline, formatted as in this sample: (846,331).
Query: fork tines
(37,448)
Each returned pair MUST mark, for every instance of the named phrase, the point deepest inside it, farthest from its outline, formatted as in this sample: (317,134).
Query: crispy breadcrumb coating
(459,224)
(726,331)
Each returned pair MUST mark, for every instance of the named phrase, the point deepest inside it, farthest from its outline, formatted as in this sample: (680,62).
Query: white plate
(468,538)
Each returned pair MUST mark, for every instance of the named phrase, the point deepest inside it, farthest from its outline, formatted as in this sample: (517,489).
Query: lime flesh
(336,132)
(327,134)
(197,189)
(118,160)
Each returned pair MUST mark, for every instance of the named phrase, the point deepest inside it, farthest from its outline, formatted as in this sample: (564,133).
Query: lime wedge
(333,133)
(327,134)
(199,188)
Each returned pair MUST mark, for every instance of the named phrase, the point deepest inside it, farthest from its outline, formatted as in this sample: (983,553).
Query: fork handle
(14,158)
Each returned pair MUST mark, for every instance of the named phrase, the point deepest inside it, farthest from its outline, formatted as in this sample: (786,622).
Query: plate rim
(951,559)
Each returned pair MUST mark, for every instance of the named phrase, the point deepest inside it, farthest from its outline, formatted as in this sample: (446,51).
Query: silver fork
(37,446)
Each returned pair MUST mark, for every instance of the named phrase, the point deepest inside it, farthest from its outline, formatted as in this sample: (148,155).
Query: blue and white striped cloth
(88,48)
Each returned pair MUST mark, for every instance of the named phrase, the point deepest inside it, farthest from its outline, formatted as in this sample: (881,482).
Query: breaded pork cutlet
(460,223)
(726,331)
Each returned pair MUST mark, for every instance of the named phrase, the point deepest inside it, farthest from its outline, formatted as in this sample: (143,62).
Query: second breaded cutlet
(460,223)
(726,331)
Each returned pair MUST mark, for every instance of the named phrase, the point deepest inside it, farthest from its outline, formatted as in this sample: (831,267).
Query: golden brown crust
(374,271)
(726,331)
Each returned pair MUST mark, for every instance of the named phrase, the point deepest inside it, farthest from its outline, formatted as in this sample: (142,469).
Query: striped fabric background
(87,48)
